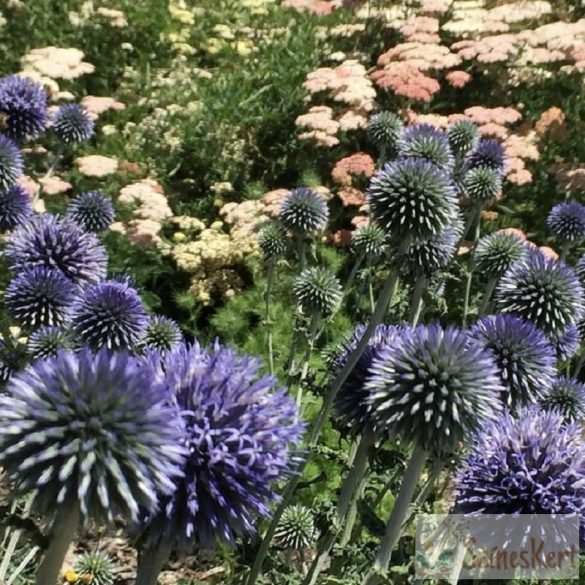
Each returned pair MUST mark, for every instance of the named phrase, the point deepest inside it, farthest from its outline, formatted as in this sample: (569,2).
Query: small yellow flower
(179,237)
(70,576)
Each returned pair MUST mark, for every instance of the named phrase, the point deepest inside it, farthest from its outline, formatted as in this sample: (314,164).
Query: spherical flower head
(488,153)
(532,463)
(427,142)
(63,245)
(542,290)
(434,387)
(566,396)
(384,129)
(95,568)
(92,210)
(318,290)
(426,258)
(15,207)
(23,107)
(369,241)
(11,163)
(482,184)
(273,240)
(303,211)
(350,404)
(567,221)
(48,341)
(239,436)
(110,314)
(567,344)
(72,124)
(95,428)
(162,334)
(296,528)
(40,296)
(523,356)
(495,253)
(463,136)
(411,198)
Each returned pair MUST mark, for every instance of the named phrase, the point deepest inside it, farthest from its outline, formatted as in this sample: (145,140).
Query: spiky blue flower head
(48,340)
(94,428)
(303,211)
(162,334)
(427,142)
(567,221)
(542,290)
(239,435)
(567,396)
(488,153)
(296,528)
(72,124)
(524,357)
(463,136)
(567,344)
(350,403)
(63,245)
(482,184)
(369,241)
(532,463)
(92,210)
(318,290)
(40,296)
(411,198)
(11,163)
(384,129)
(15,207)
(273,240)
(427,258)
(495,253)
(434,387)
(23,107)
(110,314)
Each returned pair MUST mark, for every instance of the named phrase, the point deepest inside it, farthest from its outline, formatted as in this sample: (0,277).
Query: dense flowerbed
(278,276)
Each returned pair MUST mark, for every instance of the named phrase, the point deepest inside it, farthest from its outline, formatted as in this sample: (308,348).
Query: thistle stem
(565,250)
(267,297)
(398,515)
(471,269)
(315,319)
(63,532)
(356,266)
(416,302)
(377,317)
(302,250)
(151,562)
(371,295)
(56,160)
(487,296)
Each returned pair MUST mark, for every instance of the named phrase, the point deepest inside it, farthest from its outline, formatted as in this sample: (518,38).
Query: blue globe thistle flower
(523,356)
(48,340)
(427,142)
(273,240)
(412,198)
(384,129)
(488,153)
(162,334)
(427,258)
(40,296)
(350,403)
(72,124)
(92,210)
(93,428)
(566,396)
(495,253)
(542,290)
(62,245)
(532,463)
(567,344)
(15,207)
(11,163)
(463,136)
(567,221)
(369,241)
(434,387)
(318,290)
(482,184)
(23,107)
(239,436)
(110,314)
(303,211)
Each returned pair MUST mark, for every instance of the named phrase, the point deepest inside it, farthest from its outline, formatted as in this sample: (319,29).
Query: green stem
(56,160)
(398,515)
(579,365)
(302,252)
(63,532)
(151,563)
(487,296)
(565,250)
(471,268)
(315,318)
(357,264)
(416,302)
(371,294)
(267,297)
